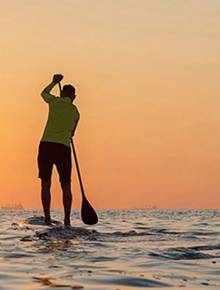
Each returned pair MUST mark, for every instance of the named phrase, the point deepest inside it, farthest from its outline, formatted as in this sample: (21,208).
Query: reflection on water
(127,250)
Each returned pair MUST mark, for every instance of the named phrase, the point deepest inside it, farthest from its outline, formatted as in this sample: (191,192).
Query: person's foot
(67,222)
(47,221)
(67,226)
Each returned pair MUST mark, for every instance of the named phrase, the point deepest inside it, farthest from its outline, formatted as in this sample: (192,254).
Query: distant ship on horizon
(15,206)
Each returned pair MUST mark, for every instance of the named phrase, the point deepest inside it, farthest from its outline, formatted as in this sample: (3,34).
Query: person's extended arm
(46,91)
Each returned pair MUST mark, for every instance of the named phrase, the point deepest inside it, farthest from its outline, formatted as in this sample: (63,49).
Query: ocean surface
(128,249)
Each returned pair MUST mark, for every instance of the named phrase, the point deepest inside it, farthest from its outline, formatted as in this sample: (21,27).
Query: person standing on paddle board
(54,147)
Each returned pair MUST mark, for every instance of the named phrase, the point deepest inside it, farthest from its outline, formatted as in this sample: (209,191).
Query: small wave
(190,253)
(136,282)
(104,259)
(178,255)
(165,231)
(205,247)
(203,233)
(18,255)
(131,233)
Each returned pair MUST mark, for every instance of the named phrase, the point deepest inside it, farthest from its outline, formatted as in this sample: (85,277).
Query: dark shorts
(50,153)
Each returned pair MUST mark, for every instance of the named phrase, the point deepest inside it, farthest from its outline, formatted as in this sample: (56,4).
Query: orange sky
(147,79)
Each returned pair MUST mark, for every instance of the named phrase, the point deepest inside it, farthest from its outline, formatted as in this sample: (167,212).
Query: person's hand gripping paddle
(88,213)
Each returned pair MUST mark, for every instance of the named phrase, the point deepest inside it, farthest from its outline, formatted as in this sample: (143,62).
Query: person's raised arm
(46,91)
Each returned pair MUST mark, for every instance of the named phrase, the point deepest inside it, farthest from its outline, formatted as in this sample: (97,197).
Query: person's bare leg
(45,198)
(67,202)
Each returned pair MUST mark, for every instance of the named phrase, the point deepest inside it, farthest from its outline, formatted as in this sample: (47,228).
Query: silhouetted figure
(54,146)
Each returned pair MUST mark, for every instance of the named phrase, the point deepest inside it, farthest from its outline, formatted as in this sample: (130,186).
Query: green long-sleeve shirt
(62,119)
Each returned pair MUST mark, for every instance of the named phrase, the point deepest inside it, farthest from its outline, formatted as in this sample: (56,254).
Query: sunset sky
(147,74)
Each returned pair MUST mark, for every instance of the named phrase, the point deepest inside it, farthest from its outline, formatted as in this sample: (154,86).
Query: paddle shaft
(77,169)
(60,87)
(76,162)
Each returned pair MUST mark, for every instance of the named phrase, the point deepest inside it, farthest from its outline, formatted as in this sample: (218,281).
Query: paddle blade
(88,213)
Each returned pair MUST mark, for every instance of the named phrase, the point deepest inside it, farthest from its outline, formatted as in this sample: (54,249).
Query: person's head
(68,91)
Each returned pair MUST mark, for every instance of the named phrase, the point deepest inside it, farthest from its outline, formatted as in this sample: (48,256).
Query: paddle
(88,213)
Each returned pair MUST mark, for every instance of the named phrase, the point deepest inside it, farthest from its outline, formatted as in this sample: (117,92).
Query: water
(129,249)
